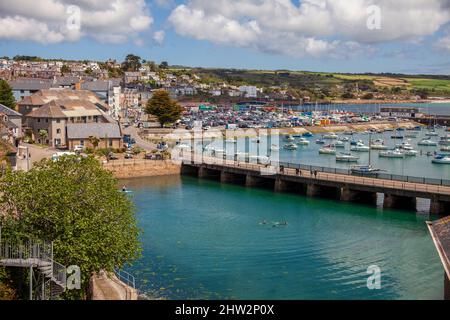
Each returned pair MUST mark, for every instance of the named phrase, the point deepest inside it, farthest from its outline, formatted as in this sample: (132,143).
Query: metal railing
(126,278)
(25,251)
(59,273)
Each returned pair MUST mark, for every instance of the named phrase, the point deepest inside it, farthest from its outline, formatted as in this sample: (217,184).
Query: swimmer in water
(264,222)
(124,189)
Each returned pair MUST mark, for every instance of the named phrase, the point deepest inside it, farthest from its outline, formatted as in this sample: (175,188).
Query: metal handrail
(25,251)
(59,273)
(126,278)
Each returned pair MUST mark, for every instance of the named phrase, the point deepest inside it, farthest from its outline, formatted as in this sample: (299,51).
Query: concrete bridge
(346,187)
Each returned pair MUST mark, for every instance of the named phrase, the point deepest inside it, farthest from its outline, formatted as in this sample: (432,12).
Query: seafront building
(57,117)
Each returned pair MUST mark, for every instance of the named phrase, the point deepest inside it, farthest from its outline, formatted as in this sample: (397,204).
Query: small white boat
(289,138)
(365,170)
(274,147)
(290,146)
(411,153)
(441,159)
(392,154)
(405,146)
(331,136)
(327,150)
(427,142)
(346,157)
(303,142)
(432,134)
(183,146)
(345,139)
(378,146)
(360,147)
(339,144)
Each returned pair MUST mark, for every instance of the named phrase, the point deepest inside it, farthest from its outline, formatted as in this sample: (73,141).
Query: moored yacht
(303,142)
(441,159)
(392,154)
(346,157)
(427,142)
(360,147)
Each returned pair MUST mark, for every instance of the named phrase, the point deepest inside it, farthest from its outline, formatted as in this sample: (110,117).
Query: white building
(249,91)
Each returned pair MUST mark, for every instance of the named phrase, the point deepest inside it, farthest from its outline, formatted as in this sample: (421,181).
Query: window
(46,120)
(58,130)
(110,142)
(39,120)
(58,120)
(81,142)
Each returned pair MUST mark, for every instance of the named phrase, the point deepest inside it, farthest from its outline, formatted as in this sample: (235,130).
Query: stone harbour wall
(123,169)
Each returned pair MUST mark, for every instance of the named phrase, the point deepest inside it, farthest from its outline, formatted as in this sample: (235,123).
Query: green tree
(43,134)
(94,141)
(131,63)
(75,203)
(6,95)
(88,71)
(164,108)
(65,69)
(164,65)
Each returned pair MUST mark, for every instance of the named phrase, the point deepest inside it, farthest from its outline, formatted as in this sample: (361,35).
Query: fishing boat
(441,159)
(307,134)
(330,136)
(392,154)
(349,133)
(345,139)
(397,137)
(428,143)
(327,150)
(360,147)
(290,146)
(354,142)
(346,157)
(303,142)
(320,141)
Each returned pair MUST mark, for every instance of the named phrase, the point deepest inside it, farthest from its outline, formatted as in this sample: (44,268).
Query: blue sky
(316,35)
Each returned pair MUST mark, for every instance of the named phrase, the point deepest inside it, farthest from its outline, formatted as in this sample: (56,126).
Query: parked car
(128,155)
(78,148)
(112,156)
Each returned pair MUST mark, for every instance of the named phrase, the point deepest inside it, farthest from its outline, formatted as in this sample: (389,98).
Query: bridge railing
(322,169)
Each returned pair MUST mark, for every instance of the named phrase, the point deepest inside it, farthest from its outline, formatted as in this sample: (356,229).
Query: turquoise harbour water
(203,240)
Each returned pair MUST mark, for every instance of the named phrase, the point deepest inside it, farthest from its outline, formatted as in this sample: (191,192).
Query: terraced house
(57,117)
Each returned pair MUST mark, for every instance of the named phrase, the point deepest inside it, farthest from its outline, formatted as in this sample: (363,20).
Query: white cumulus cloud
(310,27)
(47,21)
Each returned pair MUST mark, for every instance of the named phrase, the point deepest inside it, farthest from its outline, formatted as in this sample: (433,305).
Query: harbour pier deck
(399,191)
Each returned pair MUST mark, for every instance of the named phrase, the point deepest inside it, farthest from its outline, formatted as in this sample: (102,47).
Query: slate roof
(99,130)
(440,232)
(9,112)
